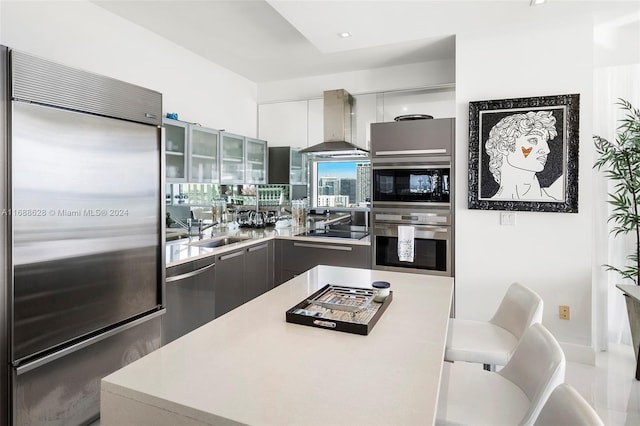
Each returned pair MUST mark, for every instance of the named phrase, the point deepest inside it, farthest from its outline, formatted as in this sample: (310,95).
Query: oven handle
(413,152)
(412,166)
(418,229)
(434,219)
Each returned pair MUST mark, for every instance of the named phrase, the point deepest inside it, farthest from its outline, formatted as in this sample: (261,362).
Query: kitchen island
(252,367)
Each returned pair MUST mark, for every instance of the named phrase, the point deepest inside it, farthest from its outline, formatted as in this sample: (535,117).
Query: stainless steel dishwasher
(190,298)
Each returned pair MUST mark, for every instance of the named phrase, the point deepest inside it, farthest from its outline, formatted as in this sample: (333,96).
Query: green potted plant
(620,161)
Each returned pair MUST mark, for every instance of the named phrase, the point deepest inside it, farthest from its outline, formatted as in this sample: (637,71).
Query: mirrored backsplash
(202,194)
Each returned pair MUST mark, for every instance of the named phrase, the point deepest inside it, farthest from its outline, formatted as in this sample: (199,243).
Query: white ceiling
(269,40)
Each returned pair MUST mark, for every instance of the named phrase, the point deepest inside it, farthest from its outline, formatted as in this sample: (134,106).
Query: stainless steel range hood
(337,127)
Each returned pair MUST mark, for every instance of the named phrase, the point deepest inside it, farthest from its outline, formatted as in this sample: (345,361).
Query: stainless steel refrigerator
(82,247)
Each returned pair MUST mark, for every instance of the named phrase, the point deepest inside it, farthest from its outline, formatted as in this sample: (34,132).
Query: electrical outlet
(507,218)
(565,312)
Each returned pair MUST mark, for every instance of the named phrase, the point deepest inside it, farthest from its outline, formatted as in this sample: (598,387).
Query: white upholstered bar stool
(512,396)
(492,342)
(566,406)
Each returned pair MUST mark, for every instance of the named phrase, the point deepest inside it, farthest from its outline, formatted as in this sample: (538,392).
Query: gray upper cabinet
(431,137)
(255,161)
(176,150)
(287,166)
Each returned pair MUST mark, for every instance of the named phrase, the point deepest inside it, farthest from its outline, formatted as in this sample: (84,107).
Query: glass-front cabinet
(298,168)
(204,155)
(176,150)
(256,160)
(196,154)
(232,158)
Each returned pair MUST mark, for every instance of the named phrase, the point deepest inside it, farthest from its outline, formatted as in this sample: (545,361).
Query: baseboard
(579,353)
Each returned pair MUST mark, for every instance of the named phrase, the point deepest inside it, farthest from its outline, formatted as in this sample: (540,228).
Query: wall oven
(432,240)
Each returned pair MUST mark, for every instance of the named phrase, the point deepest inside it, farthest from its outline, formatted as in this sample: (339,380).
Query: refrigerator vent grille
(44,82)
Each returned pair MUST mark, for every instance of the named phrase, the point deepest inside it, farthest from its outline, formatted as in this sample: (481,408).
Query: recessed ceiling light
(344,34)
(537,2)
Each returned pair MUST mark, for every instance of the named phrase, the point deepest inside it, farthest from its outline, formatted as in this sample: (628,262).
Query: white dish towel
(405,243)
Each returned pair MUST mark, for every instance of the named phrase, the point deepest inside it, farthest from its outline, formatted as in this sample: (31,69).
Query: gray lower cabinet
(258,264)
(295,257)
(189,296)
(229,281)
(242,275)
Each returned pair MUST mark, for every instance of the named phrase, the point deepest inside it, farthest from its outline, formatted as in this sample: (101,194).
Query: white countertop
(250,366)
(178,252)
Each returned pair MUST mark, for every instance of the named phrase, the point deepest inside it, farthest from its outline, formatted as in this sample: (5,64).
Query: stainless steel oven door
(432,249)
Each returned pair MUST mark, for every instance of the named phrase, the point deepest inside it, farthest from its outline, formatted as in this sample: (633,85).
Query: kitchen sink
(219,242)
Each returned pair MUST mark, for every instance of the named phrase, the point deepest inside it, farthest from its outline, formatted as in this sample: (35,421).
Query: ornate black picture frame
(523,154)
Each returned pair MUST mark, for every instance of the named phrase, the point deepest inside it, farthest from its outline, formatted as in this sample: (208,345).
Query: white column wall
(81,34)
(549,252)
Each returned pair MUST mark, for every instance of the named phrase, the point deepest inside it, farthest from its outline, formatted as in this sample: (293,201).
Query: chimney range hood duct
(337,127)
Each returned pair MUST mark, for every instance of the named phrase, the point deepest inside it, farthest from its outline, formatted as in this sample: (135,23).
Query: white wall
(83,35)
(550,252)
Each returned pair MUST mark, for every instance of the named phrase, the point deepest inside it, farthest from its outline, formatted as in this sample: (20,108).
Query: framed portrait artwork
(523,154)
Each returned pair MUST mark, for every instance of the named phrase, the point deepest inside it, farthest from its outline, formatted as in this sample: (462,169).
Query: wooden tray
(340,308)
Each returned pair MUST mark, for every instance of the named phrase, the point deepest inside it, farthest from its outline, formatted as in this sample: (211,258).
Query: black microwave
(413,184)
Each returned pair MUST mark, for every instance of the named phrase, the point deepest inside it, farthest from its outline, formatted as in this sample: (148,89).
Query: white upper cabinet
(283,124)
(437,102)
(364,113)
(315,126)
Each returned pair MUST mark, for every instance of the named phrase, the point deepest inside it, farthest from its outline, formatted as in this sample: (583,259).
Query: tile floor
(609,386)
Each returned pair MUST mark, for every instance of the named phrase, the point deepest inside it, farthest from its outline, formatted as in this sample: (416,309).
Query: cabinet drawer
(300,256)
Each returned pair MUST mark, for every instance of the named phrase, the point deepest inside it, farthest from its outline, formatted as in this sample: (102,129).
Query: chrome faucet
(202,227)
(185,226)
(188,226)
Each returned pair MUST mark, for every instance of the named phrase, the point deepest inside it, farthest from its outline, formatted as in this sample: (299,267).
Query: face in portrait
(530,153)
(518,148)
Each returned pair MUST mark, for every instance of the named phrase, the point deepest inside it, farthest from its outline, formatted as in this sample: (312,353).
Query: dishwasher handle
(190,274)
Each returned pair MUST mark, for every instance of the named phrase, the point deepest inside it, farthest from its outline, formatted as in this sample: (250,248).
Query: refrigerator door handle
(21,369)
